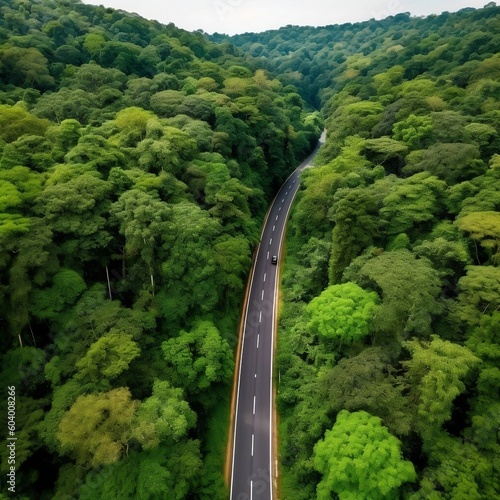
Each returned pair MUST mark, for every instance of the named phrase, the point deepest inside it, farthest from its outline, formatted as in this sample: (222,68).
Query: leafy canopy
(360,460)
(342,312)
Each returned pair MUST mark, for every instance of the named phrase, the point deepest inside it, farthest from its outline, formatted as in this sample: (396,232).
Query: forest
(388,362)
(137,161)
(136,164)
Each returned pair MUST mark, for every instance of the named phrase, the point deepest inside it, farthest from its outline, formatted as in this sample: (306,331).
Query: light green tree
(451,162)
(97,428)
(412,202)
(158,473)
(360,460)
(457,470)
(9,196)
(413,131)
(15,121)
(358,224)
(109,356)
(410,288)
(201,358)
(342,312)
(28,67)
(483,227)
(189,268)
(479,293)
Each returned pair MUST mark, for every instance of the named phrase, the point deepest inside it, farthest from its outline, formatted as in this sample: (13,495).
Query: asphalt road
(251,473)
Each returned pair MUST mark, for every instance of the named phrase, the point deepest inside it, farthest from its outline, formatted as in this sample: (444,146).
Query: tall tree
(97,428)
(360,459)
(201,360)
(164,416)
(399,274)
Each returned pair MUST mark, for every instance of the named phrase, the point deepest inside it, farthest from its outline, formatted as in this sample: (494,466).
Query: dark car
(274,260)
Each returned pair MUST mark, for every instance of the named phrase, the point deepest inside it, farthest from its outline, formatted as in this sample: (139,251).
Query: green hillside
(322,61)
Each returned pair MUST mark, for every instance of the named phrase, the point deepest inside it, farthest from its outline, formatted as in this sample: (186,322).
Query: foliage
(97,427)
(136,163)
(201,358)
(483,227)
(409,288)
(163,416)
(368,382)
(440,367)
(359,458)
(342,312)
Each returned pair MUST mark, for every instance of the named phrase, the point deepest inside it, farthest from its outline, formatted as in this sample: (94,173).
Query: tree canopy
(342,312)
(136,163)
(359,458)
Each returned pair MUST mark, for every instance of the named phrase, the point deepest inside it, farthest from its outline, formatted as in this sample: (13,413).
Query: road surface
(251,471)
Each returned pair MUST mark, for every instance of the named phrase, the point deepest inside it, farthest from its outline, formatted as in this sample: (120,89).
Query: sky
(240,16)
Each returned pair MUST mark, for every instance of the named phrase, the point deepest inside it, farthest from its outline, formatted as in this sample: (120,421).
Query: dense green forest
(389,346)
(136,163)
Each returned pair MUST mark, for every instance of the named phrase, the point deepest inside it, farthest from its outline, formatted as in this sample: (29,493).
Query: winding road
(252,448)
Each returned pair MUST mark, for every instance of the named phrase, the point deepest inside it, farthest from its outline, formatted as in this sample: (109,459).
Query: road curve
(252,450)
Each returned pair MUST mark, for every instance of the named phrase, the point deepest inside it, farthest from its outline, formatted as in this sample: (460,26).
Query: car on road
(274,260)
